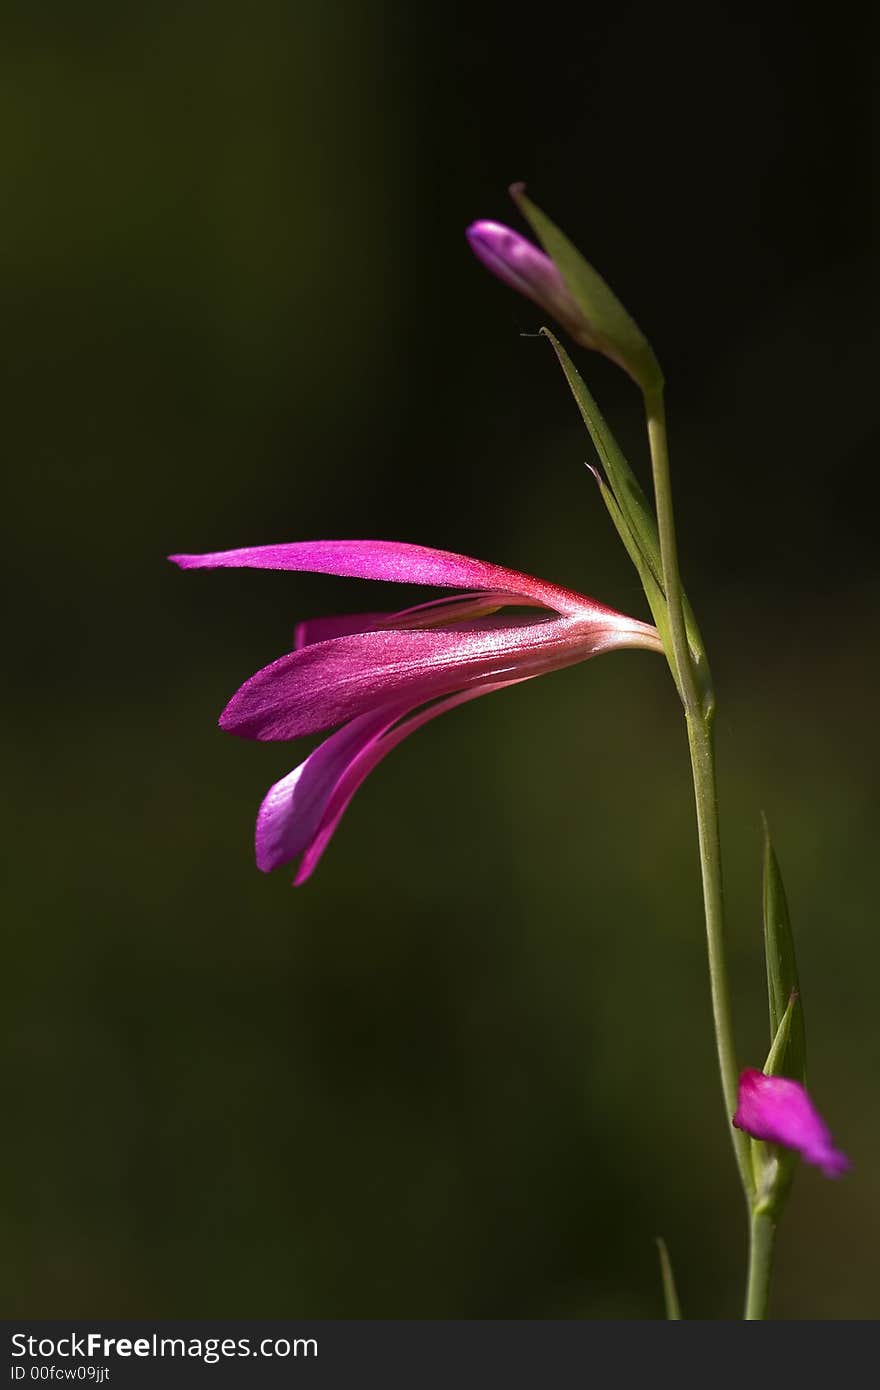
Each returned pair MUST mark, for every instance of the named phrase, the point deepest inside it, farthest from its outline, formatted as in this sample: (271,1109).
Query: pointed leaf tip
(670,1293)
(779,1047)
(783,985)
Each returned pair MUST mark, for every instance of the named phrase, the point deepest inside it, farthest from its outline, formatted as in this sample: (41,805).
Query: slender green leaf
(612,329)
(783,986)
(634,518)
(631,499)
(670,1293)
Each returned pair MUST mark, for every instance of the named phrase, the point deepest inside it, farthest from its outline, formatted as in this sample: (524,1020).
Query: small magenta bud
(525,268)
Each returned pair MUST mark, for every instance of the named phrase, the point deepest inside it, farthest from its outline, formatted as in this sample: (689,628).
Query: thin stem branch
(761,1245)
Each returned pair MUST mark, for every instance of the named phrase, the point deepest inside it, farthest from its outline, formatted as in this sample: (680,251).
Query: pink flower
(525,268)
(376,674)
(779,1111)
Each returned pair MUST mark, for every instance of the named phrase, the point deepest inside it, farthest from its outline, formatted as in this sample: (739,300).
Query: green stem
(762,1237)
(706,801)
(699,709)
(687,679)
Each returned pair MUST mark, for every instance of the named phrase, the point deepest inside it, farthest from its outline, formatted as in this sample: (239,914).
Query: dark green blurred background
(467,1071)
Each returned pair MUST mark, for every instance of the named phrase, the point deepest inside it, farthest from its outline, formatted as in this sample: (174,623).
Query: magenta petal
(392,561)
(365,762)
(324,684)
(455,609)
(441,612)
(312,630)
(293,809)
(779,1111)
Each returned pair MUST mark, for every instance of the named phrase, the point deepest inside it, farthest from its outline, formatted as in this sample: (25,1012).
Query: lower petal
(369,758)
(293,809)
(329,682)
(300,813)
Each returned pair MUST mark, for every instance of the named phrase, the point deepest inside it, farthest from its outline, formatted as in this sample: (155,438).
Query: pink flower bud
(525,268)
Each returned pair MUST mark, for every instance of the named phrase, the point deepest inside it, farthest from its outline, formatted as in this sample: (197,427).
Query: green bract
(783,988)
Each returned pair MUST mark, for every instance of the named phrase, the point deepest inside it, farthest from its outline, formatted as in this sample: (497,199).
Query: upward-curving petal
(397,562)
(293,809)
(329,682)
(361,767)
(300,814)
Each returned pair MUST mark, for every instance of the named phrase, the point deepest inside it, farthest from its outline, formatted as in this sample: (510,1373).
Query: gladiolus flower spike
(779,1111)
(381,676)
